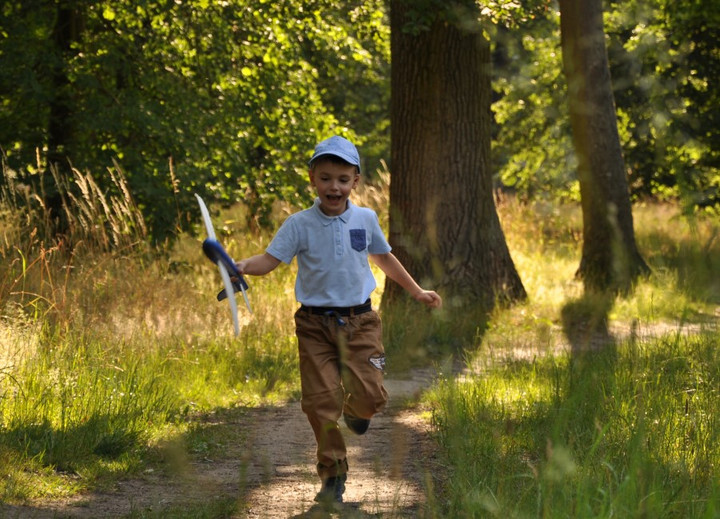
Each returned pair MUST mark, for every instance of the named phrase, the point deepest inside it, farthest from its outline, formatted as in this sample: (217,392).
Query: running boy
(339,335)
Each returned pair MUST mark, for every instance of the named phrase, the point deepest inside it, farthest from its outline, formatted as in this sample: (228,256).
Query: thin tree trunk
(610,258)
(66,30)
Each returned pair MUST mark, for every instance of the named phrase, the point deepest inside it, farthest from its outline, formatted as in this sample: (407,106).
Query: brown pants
(341,370)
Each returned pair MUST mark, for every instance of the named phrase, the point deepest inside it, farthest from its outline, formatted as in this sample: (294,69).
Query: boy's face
(333,183)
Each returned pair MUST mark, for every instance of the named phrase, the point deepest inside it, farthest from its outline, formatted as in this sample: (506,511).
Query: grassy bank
(110,350)
(633,431)
(537,428)
(86,402)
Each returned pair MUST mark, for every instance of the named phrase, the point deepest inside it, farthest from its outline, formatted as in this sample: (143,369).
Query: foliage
(222,98)
(665,58)
(228,98)
(663,91)
(533,152)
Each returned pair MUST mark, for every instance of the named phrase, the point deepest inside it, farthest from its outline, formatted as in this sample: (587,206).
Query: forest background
(115,113)
(226,99)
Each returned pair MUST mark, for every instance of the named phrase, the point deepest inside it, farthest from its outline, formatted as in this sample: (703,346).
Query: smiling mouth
(334,198)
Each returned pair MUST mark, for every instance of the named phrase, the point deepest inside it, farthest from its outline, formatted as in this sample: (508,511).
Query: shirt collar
(327,220)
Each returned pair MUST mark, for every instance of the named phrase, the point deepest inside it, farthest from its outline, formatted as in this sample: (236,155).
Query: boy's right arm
(258,265)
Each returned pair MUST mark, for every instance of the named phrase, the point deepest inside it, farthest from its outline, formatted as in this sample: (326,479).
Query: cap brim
(342,156)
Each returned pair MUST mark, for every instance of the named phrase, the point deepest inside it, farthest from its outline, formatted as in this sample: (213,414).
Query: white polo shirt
(332,254)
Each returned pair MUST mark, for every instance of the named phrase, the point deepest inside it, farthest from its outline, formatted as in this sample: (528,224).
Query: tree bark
(610,258)
(443,223)
(66,31)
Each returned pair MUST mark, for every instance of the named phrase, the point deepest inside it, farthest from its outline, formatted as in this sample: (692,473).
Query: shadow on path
(593,360)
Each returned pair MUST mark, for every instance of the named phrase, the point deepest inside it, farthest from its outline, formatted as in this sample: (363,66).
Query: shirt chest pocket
(358,239)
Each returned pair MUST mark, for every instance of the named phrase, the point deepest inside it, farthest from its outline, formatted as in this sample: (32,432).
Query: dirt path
(266,469)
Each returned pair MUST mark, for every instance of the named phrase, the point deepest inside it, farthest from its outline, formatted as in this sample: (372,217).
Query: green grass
(214,508)
(537,428)
(107,357)
(633,431)
(93,406)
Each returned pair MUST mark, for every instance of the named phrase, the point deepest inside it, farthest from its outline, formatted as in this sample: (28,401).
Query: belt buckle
(338,318)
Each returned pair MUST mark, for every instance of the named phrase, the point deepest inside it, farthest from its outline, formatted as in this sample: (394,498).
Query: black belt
(345,311)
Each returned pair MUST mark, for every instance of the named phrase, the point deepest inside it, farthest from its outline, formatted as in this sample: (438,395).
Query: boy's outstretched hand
(429,298)
(393,269)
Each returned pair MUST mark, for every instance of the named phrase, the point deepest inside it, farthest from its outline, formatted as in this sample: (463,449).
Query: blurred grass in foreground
(629,432)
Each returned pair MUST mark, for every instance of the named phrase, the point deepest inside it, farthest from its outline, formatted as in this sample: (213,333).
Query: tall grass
(632,432)
(101,220)
(534,428)
(545,240)
(109,348)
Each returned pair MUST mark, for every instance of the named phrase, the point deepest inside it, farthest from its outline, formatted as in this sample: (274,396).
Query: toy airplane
(218,255)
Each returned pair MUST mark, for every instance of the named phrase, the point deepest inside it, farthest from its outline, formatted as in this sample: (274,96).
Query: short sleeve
(284,245)
(378,242)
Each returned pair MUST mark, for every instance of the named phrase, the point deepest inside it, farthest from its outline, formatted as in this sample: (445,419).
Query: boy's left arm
(393,269)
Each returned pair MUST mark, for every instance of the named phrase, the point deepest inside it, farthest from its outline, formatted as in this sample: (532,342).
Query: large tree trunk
(443,223)
(610,258)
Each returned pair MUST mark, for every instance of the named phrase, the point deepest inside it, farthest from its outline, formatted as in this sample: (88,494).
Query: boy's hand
(241,266)
(429,298)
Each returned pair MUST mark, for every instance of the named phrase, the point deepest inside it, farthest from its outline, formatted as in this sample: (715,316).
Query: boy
(339,335)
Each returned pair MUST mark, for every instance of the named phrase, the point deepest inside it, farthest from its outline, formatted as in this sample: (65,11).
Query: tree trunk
(443,223)
(66,31)
(610,258)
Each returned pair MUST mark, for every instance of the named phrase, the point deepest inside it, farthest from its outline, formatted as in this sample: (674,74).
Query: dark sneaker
(355,424)
(332,490)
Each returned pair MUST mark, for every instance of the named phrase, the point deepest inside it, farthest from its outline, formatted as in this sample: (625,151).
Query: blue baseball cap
(339,147)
